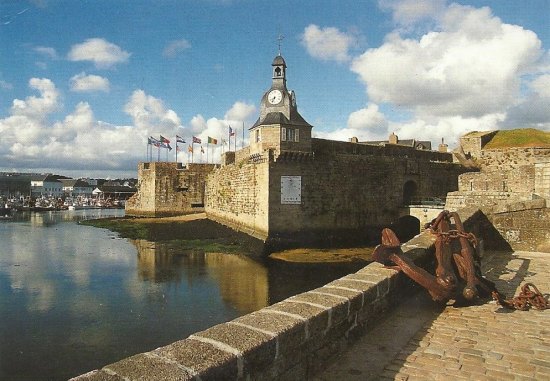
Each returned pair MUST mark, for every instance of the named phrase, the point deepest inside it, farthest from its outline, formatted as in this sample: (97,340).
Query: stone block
(257,349)
(206,360)
(315,318)
(290,332)
(338,307)
(144,367)
(97,375)
(355,297)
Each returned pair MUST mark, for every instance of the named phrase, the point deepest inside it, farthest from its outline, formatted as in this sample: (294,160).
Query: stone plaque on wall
(291,190)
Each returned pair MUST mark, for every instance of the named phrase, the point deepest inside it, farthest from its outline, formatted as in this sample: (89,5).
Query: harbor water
(74,298)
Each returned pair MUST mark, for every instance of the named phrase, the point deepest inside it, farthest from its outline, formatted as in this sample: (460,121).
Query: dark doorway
(409,192)
(406,228)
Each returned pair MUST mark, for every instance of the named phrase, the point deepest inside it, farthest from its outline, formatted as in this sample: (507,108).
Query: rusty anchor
(456,267)
(457,275)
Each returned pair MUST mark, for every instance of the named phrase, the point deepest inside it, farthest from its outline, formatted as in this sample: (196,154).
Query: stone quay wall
(292,339)
(168,189)
(524,225)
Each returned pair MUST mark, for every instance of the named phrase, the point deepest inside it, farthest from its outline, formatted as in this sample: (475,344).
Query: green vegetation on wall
(527,137)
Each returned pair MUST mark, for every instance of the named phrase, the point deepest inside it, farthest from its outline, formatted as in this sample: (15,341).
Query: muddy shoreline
(197,231)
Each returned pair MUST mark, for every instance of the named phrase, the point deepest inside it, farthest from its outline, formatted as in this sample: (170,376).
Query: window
(290,135)
(258,137)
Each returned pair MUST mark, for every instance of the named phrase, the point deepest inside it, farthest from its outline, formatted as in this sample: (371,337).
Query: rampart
(167,188)
(292,339)
(346,191)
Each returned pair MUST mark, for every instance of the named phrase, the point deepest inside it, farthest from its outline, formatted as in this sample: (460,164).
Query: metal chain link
(526,299)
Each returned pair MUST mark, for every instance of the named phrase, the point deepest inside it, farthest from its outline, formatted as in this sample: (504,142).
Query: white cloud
(407,12)
(150,113)
(85,83)
(46,52)
(38,107)
(541,86)
(470,71)
(240,112)
(102,53)
(327,43)
(174,47)
(79,143)
(365,124)
(450,128)
(5,85)
(369,118)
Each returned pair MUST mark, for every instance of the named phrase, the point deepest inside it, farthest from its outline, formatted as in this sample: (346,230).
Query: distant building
(74,188)
(46,185)
(394,139)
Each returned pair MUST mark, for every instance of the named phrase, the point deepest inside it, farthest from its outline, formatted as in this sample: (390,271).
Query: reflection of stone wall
(166,188)
(243,283)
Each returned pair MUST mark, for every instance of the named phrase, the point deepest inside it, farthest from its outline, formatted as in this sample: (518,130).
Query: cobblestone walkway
(420,341)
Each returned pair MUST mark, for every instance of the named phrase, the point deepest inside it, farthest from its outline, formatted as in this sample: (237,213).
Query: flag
(189,149)
(212,140)
(164,140)
(165,145)
(154,141)
(202,150)
(196,140)
(179,139)
(231,131)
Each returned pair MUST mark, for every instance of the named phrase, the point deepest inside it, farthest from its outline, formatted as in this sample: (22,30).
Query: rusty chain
(526,299)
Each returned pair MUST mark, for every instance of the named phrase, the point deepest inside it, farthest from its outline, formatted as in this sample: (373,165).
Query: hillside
(526,137)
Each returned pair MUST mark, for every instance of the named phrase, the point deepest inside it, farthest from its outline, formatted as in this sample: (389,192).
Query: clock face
(274,97)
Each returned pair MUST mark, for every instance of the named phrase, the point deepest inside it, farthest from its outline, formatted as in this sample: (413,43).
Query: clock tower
(280,128)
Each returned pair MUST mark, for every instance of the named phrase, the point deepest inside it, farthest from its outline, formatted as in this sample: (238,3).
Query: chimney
(443,147)
(393,138)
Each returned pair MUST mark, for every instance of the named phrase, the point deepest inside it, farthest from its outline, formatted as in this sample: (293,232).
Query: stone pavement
(420,340)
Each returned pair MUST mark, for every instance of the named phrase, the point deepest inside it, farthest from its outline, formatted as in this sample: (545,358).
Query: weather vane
(279,41)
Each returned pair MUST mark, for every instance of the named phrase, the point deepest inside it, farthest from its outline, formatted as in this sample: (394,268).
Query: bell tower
(280,128)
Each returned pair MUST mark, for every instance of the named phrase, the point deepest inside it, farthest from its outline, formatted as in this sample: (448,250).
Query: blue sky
(84,83)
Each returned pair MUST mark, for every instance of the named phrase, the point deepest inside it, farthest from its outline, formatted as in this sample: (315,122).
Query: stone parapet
(289,340)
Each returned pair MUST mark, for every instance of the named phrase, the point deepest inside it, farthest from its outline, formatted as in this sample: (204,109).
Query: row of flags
(163,142)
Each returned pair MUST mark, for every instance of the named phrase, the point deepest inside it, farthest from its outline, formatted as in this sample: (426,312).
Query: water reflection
(242,282)
(74,298)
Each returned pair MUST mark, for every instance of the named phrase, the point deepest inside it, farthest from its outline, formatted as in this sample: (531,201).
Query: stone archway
(410,190)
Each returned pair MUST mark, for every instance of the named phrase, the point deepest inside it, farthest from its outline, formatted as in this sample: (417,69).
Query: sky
(83,84)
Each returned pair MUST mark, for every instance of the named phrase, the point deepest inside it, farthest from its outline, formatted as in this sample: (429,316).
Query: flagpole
(176,149)
(242,141)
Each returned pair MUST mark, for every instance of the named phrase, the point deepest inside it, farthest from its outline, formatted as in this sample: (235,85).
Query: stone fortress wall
(345,189)
(512,186)
(169,189)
